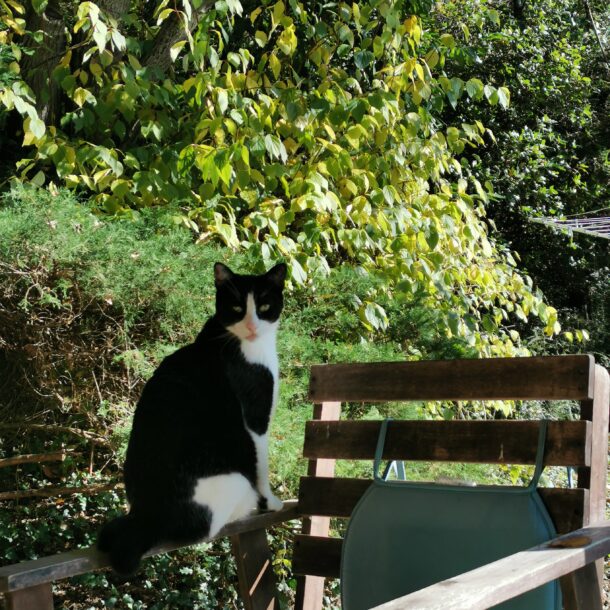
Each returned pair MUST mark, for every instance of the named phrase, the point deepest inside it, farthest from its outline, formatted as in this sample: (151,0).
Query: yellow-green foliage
(305,132)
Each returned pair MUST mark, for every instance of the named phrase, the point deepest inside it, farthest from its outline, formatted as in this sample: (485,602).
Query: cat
(197,456)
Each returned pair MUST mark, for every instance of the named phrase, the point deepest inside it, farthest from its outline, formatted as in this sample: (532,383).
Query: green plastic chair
(405,536)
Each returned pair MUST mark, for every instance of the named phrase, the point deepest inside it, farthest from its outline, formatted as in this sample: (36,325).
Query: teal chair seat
(405,536)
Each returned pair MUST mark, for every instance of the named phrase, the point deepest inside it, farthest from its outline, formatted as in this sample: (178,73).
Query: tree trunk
(38,67)
(172,31)
(115,8)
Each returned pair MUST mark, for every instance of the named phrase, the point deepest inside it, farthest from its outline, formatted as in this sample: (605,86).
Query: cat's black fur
(190,423)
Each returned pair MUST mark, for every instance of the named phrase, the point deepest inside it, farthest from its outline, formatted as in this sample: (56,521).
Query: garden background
(394,153)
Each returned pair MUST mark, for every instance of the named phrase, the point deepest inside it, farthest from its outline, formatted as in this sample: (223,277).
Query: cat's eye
(238,308)
(264,307)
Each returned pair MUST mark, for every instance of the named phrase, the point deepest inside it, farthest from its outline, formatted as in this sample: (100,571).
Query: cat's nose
(251,326)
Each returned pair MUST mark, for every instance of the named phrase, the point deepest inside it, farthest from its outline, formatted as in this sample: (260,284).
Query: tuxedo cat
(197,456)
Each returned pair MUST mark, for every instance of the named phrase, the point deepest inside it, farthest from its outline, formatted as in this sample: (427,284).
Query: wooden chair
(582,444)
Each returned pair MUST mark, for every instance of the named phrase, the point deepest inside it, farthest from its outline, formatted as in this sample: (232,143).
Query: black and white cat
(198,452)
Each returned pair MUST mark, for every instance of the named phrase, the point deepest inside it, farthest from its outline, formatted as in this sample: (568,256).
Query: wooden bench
(580,511)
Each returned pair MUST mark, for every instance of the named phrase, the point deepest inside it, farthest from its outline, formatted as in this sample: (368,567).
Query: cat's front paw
(270,502)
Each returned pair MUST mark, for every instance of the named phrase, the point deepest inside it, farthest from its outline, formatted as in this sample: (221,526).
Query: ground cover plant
(88,307)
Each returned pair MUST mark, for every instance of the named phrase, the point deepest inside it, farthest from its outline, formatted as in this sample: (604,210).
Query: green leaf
(504,97)
(176,48)
(100,33)
(223,100)
(474,88)
(275,65)
(37,127)
(80,96)
(363,59)
(275,147)
(261,38)
(287,42)
(39,6)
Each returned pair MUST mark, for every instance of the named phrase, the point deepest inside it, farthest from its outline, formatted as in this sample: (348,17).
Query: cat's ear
(222,274)
(277,275)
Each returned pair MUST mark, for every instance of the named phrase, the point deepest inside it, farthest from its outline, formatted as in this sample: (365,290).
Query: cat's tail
(125,539)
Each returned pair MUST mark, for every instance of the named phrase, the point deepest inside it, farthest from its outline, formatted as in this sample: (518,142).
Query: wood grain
(509,577)
(39,597)
(255,570)
(491,442)
(310,588)
(317,555)
(537,378)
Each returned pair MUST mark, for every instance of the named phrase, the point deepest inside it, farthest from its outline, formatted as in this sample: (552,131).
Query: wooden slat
(337,497)
(511,576)
(39,597)
(310,589)
(537,378)
(588,584)
(48,569)
(490,442)
(255,570)
(317,555)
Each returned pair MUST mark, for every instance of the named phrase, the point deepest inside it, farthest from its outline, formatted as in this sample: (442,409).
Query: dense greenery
(551,156)
(393,152)
(323,136)
(87,308)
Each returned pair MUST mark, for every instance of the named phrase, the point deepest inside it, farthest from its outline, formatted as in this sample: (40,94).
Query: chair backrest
(580,444)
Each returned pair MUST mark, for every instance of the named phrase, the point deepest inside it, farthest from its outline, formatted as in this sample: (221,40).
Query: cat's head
(249,306)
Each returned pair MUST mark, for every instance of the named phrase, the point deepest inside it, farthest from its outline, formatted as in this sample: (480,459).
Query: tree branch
(36,458)
(172,30)
(50,492)
(90,436)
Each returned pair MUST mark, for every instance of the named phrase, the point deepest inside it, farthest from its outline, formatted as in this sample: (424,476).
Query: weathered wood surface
(254,564)
(507,578)
(317,555)
(537,378)
(39,597)
(310,588)
(596,476)
(48,569)
(588,587)
(337,497)
(491,442)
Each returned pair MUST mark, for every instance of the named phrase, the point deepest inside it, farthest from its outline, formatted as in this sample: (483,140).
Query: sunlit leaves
(316,139)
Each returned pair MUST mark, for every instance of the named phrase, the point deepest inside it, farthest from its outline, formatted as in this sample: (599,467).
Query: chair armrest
(55,567)
(511,576)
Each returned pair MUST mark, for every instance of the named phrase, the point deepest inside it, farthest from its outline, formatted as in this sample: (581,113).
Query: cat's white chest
(262,351)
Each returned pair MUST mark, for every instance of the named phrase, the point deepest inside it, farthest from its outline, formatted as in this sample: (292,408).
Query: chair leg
(568,594)
(588,588)
(39,597)
(255,570)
